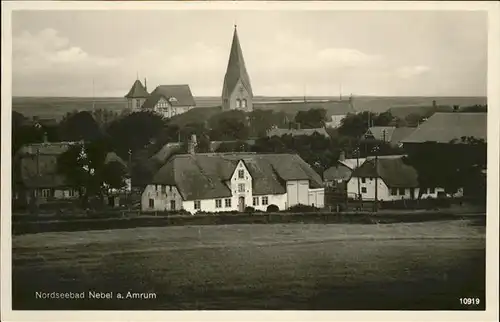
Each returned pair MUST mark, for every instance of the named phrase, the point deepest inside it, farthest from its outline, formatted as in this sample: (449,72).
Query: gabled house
(137,95)
(217,182)
(35,176)
(341,172)
(170,100)
(297,132)
(390,134)
(395,180)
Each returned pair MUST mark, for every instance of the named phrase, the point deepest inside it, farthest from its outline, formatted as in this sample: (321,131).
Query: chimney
(456,108)
(192,144)
(342,156)
(45,138)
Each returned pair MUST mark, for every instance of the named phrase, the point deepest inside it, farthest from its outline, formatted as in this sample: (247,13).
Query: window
(255,201)
(227,203)
(265,201)
(138,103)
(45,193)
(363,190)
(401,191)
(244,103)
(72,192)
(172,204)
(241,174)
(218,203)
(363,180)
(241,187)
(197,204)
(394,192)
(151,203)
(238,103)
(163,189)
(432,190)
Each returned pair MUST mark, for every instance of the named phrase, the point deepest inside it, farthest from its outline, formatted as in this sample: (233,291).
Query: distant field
(57,107)
(396,266)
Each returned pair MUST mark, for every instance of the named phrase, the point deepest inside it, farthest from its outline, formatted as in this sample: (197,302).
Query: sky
(287,53)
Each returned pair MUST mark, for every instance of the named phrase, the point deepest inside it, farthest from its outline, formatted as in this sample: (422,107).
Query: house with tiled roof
(137,95)
(219,182)
(394,178)
(170,100)
(236,90)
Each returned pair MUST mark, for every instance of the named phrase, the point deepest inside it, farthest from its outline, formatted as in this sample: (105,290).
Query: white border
(491,314)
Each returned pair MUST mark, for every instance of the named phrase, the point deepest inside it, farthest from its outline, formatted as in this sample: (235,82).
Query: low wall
(29,227)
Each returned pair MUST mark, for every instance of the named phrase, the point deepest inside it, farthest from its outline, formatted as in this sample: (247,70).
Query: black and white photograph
(251,156)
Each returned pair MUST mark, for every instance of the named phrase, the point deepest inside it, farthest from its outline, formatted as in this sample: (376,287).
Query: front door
(241,204)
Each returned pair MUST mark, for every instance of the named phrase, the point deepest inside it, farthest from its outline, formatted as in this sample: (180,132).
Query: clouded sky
(441,53)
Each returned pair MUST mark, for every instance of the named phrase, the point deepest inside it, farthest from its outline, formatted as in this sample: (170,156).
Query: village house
(341,172)
(170,100)
(275,131)
(395,180)
(35,174)
(390,134)
(218,182)
(36,179)
(447,128)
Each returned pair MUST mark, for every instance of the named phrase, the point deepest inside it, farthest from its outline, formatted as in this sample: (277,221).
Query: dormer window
(244,103)
(238,103)
(172,99)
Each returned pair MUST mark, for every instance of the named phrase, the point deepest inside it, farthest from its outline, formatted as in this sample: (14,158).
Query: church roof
(236,69)
(137,91)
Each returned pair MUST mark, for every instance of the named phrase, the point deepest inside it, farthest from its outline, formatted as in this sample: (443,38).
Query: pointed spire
(137,91)
(236,69)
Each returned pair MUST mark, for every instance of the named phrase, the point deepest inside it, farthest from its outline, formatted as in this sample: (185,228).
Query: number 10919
(469,301)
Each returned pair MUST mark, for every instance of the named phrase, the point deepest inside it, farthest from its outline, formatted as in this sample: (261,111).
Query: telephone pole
(356,152)
(376,150)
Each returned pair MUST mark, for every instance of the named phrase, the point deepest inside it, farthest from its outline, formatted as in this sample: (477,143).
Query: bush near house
(302,208)
(272,208)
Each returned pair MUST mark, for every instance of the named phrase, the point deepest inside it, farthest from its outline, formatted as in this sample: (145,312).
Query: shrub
(273,208)
(302,208)
(249,209)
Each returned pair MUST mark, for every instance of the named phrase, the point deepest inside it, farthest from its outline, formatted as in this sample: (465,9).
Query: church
(237,94)
(171,100)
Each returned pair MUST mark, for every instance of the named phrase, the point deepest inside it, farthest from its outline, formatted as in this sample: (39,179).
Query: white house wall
(335,121)
(384,192)
(162,198)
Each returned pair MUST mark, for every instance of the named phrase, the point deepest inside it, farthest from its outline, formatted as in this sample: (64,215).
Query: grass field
(57,107)
(397,266)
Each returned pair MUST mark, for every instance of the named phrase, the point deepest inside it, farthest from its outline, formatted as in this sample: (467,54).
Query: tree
(383,119)
(83,165)
(135,131)
(79,126)
(355,125)
(311,119)
(230,125)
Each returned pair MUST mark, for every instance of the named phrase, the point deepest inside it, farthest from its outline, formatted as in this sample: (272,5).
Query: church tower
(237,90)
(137,95)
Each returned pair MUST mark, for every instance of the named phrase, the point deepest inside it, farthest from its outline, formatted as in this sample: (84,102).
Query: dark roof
(236,69)
(113,157)
(394,172)
(392,134)
(167,151)
(204,176)
(177,95)
(338,172)
(37,165)
(137,91)
(331,107)
(445,127)
(402,112)
(297,132)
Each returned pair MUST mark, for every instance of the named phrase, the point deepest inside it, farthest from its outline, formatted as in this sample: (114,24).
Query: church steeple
(237,89)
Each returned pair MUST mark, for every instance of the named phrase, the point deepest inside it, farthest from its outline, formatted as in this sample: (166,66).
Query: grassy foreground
(313,266)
